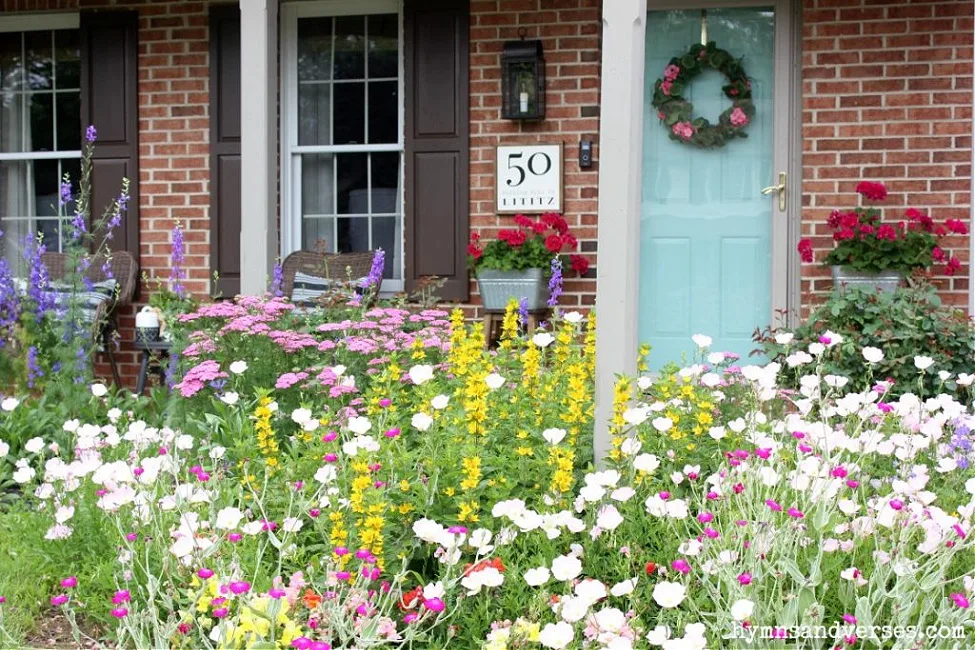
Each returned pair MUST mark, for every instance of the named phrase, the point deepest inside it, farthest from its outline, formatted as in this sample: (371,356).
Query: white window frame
(40,22)
(291,151)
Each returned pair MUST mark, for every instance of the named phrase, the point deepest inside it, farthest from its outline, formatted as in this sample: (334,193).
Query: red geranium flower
(554,244)
(805,250)
(956,226)
(474,251)
(579,264)
(937,254)
(886,231)
(872,190)
(538,227)
(513,238)
(650,568)
(556,222)
(953,266)
(523,221)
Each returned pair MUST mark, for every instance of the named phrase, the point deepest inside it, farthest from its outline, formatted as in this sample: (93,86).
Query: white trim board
(39,22)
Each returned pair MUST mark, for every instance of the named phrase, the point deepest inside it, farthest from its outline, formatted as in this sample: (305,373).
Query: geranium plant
(529,246)
(867,244)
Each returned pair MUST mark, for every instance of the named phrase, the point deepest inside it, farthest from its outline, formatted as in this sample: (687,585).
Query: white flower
(434,590)
(785,338)
(872,355)
(643,383)
(717,432)
(669,594)
(623,588)
(326,474)
(184,442)
(715,358)
(230,398)
(4,449)
(646,463)
(662,424)
(742,609)
(24,473)
(310,425)
(658,635)
(429,531)
(440,402)
(480,539)
(636,416)
(229,518)
(9,404)
(609,518)
(252,527)
(63,514)
(592,591)
(34,445)
(99,390)
(556,635)
(494,381)
(970,486)
(543,339)
(301,415)
(554,436)
(573,317)
(292,524)
(630,446)
(238,367)
(834,338)
(421,421)
(359,425)
(922,362)
(622,494)
(486,577)
(566,567)
(421,374)
(217,452)
(965,379)
(114,414)
(702,341)
(816,348)
(537,577)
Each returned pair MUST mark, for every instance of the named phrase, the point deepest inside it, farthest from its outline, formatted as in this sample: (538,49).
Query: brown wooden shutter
(437,143)
(110,102)
(225,148)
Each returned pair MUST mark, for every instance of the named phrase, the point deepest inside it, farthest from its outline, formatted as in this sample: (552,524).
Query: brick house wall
(570,35)
(887,95)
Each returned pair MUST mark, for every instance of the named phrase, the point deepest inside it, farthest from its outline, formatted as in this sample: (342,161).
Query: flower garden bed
(374,477)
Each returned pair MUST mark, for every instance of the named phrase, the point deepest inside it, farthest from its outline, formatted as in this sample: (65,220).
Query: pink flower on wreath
(683,130)
(665,87)
(738,117)
(671,72)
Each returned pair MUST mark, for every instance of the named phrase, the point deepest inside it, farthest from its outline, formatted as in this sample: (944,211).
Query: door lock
(780,189)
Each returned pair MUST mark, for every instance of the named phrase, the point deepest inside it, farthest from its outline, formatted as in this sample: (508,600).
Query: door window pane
(350,113)
(350,50)
(383,112)
(67,62)
(383,46)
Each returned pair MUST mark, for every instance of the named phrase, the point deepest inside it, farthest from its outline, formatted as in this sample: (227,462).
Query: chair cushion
(307,288)
(87,300)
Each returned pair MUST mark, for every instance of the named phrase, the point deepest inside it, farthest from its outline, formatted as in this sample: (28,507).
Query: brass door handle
(780,189)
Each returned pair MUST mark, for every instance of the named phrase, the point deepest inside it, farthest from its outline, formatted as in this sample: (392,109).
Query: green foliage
(677,114)
(903,324)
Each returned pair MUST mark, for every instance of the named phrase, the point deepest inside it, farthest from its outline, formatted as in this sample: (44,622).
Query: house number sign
(529,178)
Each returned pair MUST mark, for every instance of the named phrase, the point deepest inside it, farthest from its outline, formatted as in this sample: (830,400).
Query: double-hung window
(342,123)
(40,127)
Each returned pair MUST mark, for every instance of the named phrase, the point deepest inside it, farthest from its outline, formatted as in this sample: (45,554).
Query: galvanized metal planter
(884,281)
(498,287)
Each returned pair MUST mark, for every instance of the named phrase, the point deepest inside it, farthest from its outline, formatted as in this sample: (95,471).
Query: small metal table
(150,350)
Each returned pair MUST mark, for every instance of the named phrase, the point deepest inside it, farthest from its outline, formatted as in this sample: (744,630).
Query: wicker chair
(125,270)
(338,266)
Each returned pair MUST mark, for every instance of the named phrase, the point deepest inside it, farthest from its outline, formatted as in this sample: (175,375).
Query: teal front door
(710,242)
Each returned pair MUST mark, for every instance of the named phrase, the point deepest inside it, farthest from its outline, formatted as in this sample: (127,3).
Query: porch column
(258,143)
(621,147)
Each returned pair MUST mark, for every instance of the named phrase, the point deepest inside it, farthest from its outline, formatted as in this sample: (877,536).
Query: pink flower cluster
(199,376)
(738,117)
(671,73)
(683,130)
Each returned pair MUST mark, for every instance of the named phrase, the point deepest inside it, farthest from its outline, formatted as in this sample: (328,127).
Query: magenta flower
(773,505)
(711,533)
(205,573)
(221,612)
(340,551)
(410,618)
(120,612)
(240,587)
(121,596)
(664,495)
(839,472)
(234,537)
(764,454)
(712,496)
(330,457)
(896,504)
(434,604)
(343,576)
(3,599)
(849,619)
(385,402)
(457,530)
(362,554)
(960,600)
(959,530)
(301,643)
(804,448)
(681,565)
(314,513)
(745,579)
(705,517)
(796,513)
(70,582)
(853,484)
(59,600)
(330,436)
(738,488)
(132,537)
(277,594)
(392,433)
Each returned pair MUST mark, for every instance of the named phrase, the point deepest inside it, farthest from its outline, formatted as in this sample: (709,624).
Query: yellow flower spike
(509,325)
(266,441)
(472,473)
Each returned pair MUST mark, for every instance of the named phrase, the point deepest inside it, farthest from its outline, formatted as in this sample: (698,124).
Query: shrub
(904,324)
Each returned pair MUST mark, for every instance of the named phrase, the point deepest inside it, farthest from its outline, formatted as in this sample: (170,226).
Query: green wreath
(677,114)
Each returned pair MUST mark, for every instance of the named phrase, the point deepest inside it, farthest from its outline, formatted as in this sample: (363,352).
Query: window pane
(67,59)
(314,49)
(41,122)
(46,188)
(350,113)
(350,51)
(50,229)
(383,46)
(317,180)
(71,167)
(352,183)
(383,112)
(353,234)
(40,69)
(318,234)
(314,102)
(11,123)
(69,121)
(386,183)
(386,235)
(11,70)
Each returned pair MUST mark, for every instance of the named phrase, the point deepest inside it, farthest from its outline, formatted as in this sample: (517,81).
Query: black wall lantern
(523,81)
